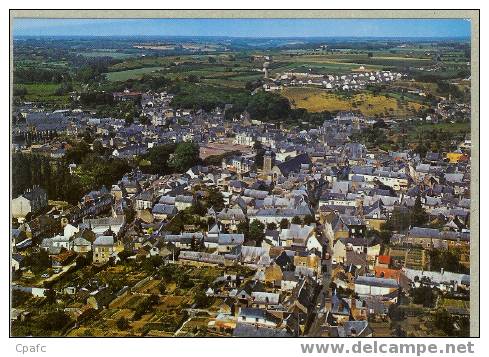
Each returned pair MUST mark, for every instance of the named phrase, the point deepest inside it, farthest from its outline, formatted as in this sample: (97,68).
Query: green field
(107,53)
(44,92)
(345,61)
(137,73)
(142,62)
(453,128)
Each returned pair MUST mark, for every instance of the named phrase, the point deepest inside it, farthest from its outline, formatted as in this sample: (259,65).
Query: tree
(424,295)
(20,91)
(145,305)
(50,295)
(370,54)
(260,153)
(395,313)
(296,220)
(202,301)
(130,214)
(284,223)
(193,78)
(448,260)
(19,297)
(256,232)
(122,323)
(143,119)
(418,214)
(399,332)
(162,287)
(185,156)
(214,199)
(243,228)
(272,226)
(309,219)
(198,208)
(63,89)
(444,321)
(159,157)
(399,220)
(266,105)
(77,152)
(38,262)
(195,244)
(54,321)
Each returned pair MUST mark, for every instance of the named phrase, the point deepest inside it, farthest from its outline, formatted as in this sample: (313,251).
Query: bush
(19,297)
(202,300)
(284,223)
(309,219)
(122,323)
(54,321)
(272,226)
(296,220)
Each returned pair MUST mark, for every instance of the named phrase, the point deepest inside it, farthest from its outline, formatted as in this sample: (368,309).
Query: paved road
(181,327)
(64,269)
(320,312)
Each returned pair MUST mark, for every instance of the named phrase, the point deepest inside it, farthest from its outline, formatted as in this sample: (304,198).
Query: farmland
(106,53)
(44,92)
(137,73)
(155,306)
(318,100)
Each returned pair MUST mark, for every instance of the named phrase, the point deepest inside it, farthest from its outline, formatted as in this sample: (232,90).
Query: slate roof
(104,240)
(160,208)
(231,238)
(378,282)
(294,164)
(248,330)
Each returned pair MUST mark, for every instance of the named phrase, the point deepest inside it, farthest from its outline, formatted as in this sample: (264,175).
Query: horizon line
(252,37)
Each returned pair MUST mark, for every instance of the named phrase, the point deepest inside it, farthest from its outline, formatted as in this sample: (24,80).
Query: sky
(244,27)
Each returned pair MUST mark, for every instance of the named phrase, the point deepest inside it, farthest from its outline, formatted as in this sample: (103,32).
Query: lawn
(318,100)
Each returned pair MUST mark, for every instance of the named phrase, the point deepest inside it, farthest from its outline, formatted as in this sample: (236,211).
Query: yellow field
(318,100)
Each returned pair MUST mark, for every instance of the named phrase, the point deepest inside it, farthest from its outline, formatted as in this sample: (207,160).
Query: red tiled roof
(384,259)
(387,273)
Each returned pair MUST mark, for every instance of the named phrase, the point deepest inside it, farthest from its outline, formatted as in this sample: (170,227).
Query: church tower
(267,163)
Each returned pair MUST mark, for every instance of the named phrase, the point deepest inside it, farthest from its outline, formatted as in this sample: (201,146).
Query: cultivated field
(221,148)
(318,100)
(137,73)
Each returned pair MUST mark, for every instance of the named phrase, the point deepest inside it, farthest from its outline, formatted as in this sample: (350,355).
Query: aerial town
(220,189)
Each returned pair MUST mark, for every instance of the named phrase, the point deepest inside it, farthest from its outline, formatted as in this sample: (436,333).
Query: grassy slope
(317,100)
